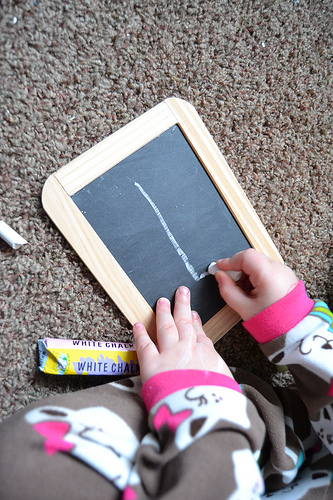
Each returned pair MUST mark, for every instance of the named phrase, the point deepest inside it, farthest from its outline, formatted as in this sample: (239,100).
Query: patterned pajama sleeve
(189,433)
(297,332)
(184,434)
(204,441)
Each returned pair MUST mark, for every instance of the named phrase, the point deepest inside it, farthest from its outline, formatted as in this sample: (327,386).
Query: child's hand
(181,341)
(264,282)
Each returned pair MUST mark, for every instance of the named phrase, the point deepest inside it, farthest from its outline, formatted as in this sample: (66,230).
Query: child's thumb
(232,294)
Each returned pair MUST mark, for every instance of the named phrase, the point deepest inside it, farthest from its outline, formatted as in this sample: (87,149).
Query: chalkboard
(163,220)
(150,207)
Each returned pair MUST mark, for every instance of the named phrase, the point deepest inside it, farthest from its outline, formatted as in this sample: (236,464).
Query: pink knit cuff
(280,317)
(161,385)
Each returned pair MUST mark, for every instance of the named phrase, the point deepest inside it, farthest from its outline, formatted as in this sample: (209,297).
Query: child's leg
(75,445)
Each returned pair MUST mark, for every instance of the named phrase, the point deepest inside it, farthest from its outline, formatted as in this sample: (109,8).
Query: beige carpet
(260,75)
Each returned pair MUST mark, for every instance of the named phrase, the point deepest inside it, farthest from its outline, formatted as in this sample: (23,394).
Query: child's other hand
(264,281)
(181,341)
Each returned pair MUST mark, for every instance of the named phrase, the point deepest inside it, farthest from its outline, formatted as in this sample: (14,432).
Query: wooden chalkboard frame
(62,185)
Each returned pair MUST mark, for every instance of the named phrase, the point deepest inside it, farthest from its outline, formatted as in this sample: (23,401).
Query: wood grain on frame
(57,202)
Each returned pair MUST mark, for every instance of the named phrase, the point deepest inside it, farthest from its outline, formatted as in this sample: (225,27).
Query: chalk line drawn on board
(169,234)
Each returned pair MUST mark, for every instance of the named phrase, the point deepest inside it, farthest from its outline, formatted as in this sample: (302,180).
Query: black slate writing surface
(163,220)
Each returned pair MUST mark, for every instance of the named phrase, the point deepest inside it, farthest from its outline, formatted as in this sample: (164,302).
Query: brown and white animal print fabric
(189,433)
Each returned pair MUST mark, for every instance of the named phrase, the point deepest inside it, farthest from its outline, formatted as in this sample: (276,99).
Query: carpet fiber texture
(258,72)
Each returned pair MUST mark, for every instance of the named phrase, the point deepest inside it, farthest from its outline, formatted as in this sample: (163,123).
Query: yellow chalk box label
(87,357)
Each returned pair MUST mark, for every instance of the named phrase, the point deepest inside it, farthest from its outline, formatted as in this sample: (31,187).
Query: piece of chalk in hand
(235,275)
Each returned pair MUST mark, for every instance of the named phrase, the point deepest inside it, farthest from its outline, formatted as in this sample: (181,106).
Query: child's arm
(291,329)
(204,432)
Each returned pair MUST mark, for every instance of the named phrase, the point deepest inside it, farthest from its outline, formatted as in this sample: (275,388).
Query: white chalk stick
(212,268)
(235,275)
(10,236)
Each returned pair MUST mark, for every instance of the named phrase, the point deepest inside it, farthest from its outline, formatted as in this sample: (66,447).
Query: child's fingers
(265,276)
(231,293)
(182,312)
(197,325)
(166,329)
(249,261)
(196,320)
(144,346)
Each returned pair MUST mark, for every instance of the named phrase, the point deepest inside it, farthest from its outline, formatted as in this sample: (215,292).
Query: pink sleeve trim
(330,391)
(280,317)
(161,385)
